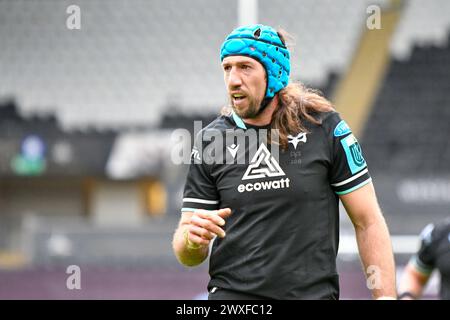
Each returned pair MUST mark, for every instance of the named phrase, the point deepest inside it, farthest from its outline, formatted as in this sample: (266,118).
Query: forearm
(377,257)
(187,256)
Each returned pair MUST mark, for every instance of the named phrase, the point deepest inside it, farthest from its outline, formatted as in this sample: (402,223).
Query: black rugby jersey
(282,237)
(434,253)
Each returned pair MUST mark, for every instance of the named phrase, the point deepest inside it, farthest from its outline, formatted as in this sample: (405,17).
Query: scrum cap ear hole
(257,33)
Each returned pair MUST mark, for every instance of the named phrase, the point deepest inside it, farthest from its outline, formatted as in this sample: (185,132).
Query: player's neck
(265,117)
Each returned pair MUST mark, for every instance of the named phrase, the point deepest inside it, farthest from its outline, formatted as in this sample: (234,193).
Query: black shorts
(225,294)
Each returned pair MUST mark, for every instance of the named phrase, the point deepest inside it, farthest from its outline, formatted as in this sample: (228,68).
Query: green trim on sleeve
(355,187)
(420,266)
(188,209)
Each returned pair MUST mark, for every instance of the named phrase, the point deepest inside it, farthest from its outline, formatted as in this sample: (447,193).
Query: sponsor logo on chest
(263,166)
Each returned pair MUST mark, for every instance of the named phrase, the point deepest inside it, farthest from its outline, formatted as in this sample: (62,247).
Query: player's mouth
(238,98)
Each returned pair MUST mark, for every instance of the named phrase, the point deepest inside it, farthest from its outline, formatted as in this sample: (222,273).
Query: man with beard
(274,221)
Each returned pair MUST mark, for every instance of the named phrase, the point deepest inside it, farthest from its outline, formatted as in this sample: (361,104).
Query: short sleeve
(424,259)
(200,190)
(349,170)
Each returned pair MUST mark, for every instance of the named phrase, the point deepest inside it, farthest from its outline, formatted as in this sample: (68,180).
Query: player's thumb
(224,213)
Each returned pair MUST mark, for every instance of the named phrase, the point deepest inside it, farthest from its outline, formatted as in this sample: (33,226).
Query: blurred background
(86,117)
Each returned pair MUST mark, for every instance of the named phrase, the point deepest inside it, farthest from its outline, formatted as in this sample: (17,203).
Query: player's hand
(204,225)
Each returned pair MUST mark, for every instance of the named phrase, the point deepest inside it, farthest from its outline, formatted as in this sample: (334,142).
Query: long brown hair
(297,104)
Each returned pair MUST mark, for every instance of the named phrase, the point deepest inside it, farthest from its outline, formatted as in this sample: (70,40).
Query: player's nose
(234,79)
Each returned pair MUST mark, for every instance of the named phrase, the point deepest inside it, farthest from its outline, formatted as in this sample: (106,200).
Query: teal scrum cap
(262,43)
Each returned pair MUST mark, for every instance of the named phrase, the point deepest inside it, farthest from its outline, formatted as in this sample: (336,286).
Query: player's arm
(195,231)
(420,266)
(413,282)
(373,239)
(200,218)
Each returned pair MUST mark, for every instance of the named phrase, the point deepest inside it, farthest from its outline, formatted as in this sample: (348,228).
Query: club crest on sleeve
(353,153)
(341,129)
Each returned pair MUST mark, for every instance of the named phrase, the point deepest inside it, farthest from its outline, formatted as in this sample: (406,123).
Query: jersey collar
(238,121)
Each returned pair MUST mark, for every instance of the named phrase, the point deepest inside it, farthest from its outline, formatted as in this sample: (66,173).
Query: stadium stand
(126,63)
(406,137)
(423,23)
(413,110)
(138,68)
(325,34)
(121,68)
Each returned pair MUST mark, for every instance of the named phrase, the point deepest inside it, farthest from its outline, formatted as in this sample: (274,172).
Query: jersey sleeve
(349,170)
(200,190)
(424,259)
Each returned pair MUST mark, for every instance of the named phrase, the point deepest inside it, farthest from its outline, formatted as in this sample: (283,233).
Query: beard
(249,112)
